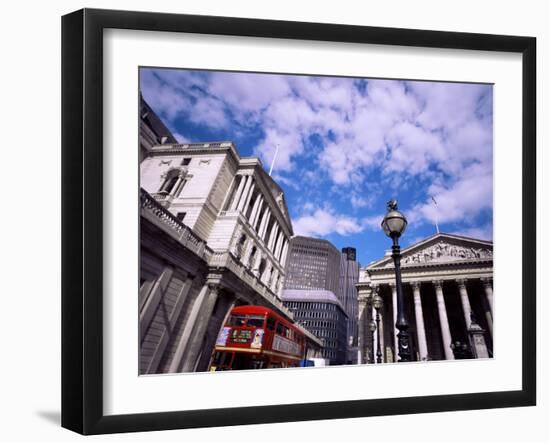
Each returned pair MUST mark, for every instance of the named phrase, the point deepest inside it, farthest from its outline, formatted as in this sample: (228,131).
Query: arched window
(169,184)
(174,181)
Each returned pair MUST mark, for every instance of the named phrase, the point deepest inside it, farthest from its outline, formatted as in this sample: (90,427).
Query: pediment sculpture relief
(442,252)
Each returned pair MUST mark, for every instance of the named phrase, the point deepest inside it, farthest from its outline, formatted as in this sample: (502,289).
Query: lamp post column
(402,325)
(394,224)
(394,330)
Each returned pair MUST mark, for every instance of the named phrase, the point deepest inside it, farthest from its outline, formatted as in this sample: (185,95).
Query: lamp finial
(392,205)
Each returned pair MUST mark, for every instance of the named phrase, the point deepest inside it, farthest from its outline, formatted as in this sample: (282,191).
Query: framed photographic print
(270,221)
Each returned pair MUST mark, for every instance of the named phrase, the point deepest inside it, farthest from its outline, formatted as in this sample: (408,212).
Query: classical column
(257,219)
(279,244)
(273,285)
(466,308)
(380,333)
(487,284)
(244,196)
(202,321)
(272,236)
(394,328)
(362,325)
(284,253)
(382,341)
(237,196)
(419,315)
(255,209)
(489,297)
(261,219)
(169,325)
(265,222)
(443,321)
(249,197)
(187,331)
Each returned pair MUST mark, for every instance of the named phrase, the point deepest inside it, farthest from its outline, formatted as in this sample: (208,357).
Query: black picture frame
(82,215)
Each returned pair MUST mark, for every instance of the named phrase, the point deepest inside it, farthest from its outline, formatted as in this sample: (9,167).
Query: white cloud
(323,222)
(460,201)
(441,132)
(484,232)
(373,222)
(248,92)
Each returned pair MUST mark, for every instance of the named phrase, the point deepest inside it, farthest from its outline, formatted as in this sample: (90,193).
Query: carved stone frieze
(444,252)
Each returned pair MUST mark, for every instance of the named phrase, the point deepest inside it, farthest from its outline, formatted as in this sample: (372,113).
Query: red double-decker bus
(255,337)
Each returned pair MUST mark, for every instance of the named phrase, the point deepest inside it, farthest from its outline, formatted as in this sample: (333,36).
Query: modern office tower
(321,313)
(347,294)
(311,289)
(313,263)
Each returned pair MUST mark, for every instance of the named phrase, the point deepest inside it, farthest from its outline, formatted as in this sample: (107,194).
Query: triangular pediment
(440,249)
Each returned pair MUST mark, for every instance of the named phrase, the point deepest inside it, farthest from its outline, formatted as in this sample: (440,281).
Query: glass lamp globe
(377,301)
(394,223)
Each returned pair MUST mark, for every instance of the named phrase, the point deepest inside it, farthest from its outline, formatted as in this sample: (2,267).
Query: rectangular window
(181,215)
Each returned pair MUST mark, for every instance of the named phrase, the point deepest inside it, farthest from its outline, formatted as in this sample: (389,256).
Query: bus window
(236,320)
(271,323)
(280,329)
(256,321)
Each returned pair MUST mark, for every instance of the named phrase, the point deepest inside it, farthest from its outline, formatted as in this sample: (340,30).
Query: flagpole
(436,224)
(274,157)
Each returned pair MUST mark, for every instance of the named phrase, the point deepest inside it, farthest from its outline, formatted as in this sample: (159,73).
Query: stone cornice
(457,263)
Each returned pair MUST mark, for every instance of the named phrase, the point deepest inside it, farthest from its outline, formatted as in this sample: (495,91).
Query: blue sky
(347,146)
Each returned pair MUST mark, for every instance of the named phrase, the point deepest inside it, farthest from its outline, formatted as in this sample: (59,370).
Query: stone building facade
(447,285)
(215,233)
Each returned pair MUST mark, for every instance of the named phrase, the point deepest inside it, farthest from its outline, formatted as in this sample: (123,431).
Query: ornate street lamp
(394,225)
(372,328)
(377,303)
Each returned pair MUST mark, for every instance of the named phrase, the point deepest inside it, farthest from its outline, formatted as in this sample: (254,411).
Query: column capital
(415,285)
(461,282)
(214,287)
(437,283)
(487,281)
